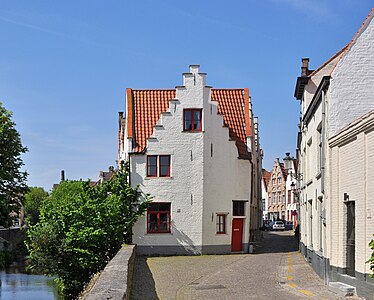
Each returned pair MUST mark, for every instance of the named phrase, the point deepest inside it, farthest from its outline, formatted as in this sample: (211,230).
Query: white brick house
(336,159)
(195,150)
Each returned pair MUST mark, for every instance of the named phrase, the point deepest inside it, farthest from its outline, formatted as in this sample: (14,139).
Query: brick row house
(281,198)
(336,162)
(196,150)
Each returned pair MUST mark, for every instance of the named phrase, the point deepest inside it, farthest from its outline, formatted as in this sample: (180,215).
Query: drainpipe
(323,147)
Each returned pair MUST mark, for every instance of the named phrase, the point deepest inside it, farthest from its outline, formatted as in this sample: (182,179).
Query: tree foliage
(81,228)
(371,259)
(12,180)
(34,199)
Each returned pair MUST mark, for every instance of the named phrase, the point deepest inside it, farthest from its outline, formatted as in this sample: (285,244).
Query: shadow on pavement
(143,285)
(277,242)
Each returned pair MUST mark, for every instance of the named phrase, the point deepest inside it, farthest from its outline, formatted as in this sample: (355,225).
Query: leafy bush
(81,228)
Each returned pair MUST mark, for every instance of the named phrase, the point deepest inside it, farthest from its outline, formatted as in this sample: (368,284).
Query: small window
(192,120)
(158,218)
(221,223)
(164,165)
(238,208)
(152,166)
(158,166)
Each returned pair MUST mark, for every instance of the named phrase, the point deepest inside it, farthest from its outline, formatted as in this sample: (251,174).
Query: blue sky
(65,65)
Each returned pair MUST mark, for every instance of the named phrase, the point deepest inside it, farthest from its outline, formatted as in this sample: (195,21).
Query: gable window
(192,120)
(158,218)
(238,208)
(158,166)
(221,224)
(274,198)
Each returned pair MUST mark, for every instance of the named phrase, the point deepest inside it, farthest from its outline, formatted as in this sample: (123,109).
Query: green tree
(12,180)
(81,228)
(371,259)
(34,199)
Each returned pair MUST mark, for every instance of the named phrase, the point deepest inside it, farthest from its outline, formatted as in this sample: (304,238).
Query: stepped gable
(144,108)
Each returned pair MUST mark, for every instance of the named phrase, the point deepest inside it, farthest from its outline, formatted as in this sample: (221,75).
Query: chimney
(120,117)
(62,175)
(288,160)
(304,67)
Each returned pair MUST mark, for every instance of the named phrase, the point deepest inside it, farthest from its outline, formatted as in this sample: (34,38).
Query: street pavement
(275,271)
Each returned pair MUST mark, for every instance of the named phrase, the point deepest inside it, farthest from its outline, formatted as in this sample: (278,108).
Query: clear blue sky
(64,66)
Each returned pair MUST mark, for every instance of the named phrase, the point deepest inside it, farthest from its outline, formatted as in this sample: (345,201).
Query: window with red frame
(158,166)
(192,120)
(221,223)
(158,218)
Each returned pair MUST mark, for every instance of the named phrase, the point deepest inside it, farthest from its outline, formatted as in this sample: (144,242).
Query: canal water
(15,285)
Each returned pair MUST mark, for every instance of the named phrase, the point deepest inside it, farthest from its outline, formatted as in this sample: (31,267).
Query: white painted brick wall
(352,83)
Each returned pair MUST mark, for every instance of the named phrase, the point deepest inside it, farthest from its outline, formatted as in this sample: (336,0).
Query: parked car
(278,225)
(288,225)
(268,225)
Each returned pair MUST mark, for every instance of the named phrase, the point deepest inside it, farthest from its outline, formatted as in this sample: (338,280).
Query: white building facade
(336,151)
(193,150)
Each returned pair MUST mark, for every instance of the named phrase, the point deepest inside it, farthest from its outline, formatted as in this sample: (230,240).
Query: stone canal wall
(114,282)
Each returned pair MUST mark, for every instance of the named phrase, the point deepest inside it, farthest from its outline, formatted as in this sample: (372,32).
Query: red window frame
(149,174)
(154,209)
(221,224)
(165,165)
(158,166)
(192,111)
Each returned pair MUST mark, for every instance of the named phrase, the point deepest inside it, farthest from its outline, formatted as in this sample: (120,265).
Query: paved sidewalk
(296,275)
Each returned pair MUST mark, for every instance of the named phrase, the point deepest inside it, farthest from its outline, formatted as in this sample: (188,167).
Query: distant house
(264,187)
(336,160)
(281,199)
(196,150)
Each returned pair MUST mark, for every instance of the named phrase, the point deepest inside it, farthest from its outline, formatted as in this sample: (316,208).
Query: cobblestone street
(276,271)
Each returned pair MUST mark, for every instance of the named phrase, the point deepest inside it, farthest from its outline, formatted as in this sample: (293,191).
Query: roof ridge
(153,89)
(328,61)
(344,50)
(358,33)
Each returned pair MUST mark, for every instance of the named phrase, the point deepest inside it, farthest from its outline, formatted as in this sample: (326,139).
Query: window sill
(169,232)
(319,174)
(221,233)
(195,131)
(151,178)
(238,217)
(309,182)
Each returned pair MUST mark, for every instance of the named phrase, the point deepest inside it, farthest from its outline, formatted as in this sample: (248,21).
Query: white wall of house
(352,83)
(265,201)
(290,195)
(352,165)
(226,178)
(200,185)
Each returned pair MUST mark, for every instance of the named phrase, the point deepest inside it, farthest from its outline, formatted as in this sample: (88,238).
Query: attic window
(192,120)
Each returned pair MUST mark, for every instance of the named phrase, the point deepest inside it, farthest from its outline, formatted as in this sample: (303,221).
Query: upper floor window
(238,208)
(158,166)
(192,120)
(158,218)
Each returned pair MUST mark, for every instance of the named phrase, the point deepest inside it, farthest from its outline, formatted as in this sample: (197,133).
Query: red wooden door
(237,235)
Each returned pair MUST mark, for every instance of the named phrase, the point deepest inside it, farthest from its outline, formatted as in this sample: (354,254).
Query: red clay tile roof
(147,105)
(266,175)
(233,104)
